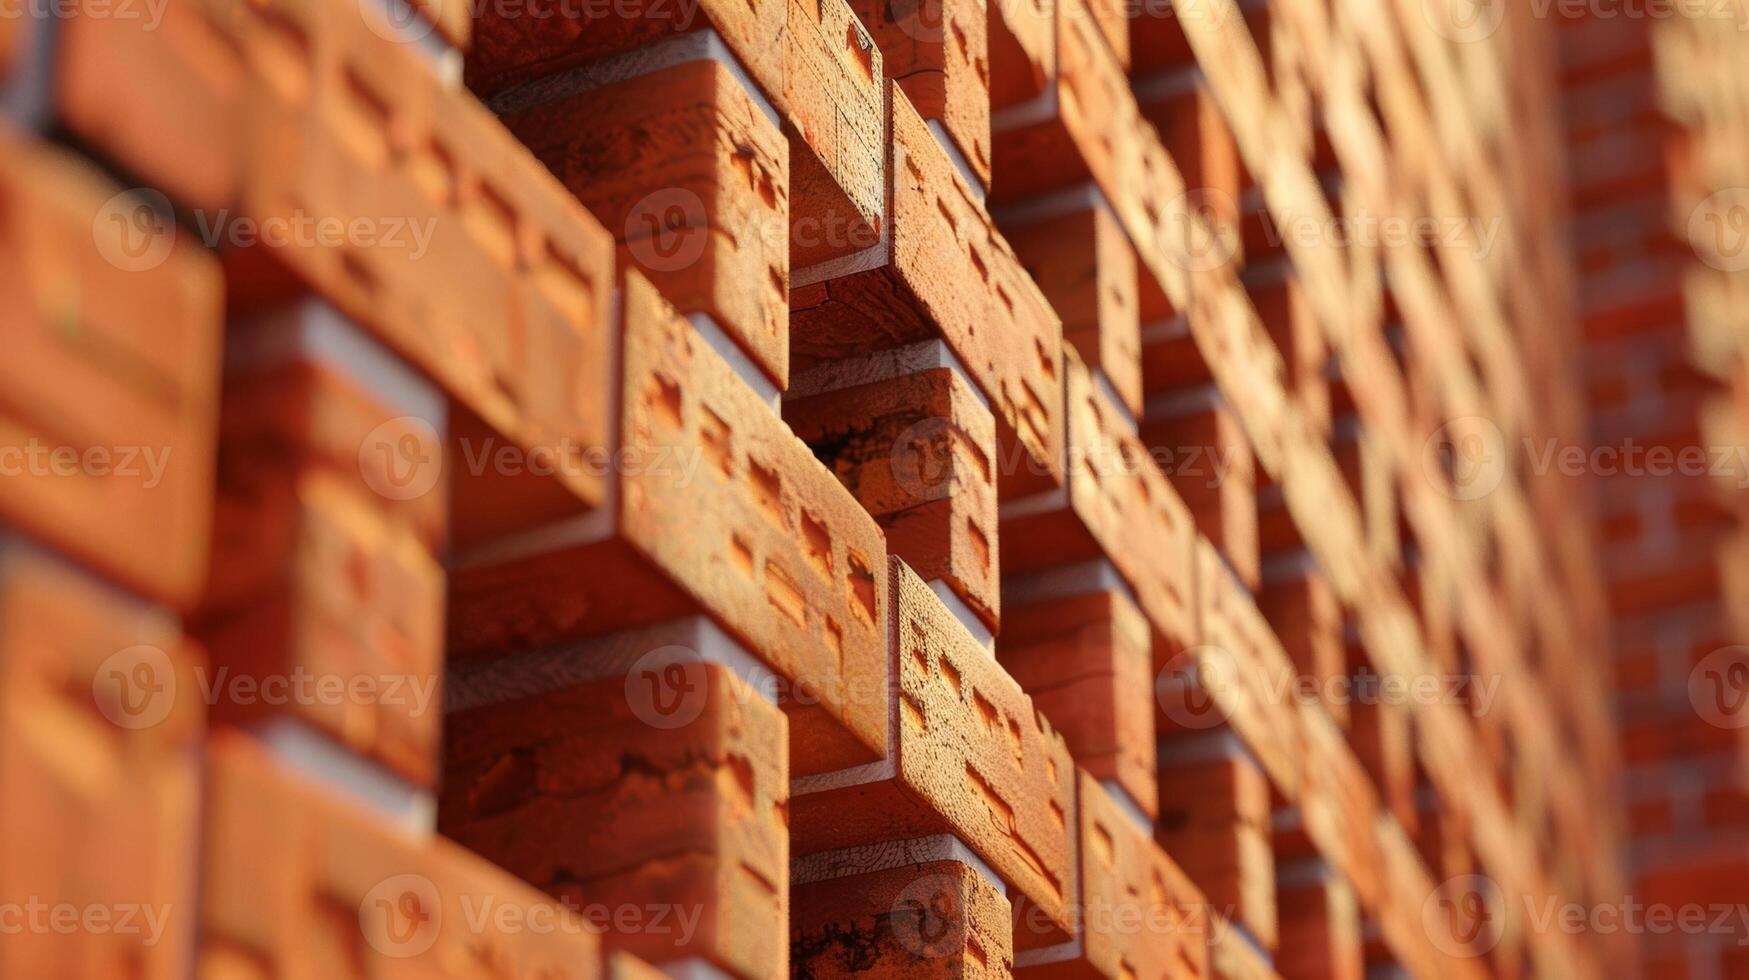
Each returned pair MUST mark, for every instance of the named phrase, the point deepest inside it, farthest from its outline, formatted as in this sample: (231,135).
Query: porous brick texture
(874,488)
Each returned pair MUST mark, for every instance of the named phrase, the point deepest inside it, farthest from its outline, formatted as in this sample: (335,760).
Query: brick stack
(759,487)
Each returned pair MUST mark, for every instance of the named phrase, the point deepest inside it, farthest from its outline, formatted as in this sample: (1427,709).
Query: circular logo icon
(927,919)
(1464,916)
(1189,688)
(1464,21)
(667,687)
(401,916)
(922,460)
(920,20)
(1202,222)
(135,230)
(135,687)
(1718,687)
(397,20)
(667,230)
(1465,458)
(1718,230)
(402,458)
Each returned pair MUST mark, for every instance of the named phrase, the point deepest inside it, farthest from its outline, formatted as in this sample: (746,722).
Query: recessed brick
(937,918)
(1215,823)
(1207,457)
(1320,927)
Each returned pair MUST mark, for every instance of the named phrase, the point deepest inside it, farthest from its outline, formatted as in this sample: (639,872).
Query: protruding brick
(658,780)
(298,884)
(835,112)
(683,166)
(919,452)
(939,918)
(1208,459)
(1139,915)
(970,756)
(1215,822)
(108,389)
(718,508)
(1083,262)
(100,722)
(942,270)
(1084,659)
(938,53)
(318,579)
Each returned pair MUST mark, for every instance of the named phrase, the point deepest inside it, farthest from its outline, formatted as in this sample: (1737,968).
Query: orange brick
(1085,661)
(705,212)
(326,601)
(835,112)
(1215,822)
(1083,262)
(298,884)
(970,757)
(1139,915)
(1303,612)
(100,723)
(938,53)
(1117,506)
(1194,134)
(1208,459)
(919,452)
(1320,926)
(1023,51)
(942,270)
(1281,303)
(1233,956)
(720,509)
(108,388)
(929,918)
(593,792)
(1157,41)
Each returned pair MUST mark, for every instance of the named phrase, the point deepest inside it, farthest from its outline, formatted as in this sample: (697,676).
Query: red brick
(1083,262)
(705,215)
(834,109)
(100,725)
(317,577)
(110,374)
(970,756)
(1214,821)
(298,884)
(1320,929)
(938,53)
(919,452)
(1085,661)
(929,919)
(588,792)
(956,279)
(1210,464)
(720,509)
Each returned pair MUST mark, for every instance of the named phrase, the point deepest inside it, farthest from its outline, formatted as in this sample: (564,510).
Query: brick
(100,723)
(1214,821)
(1023,51)
(590,792)
(1213,470)
(1192,131)
(935,918)
(834,110)
(918,450)
(720,509)
(1084,264)
(937,51)
(297,884)
(919,285)
(1233,956)
(1303,612)
(970,757)
(1320,927)
(1139,913)
(317,578)
(1117,505)
(1085,661)
(109,380)
(706,215)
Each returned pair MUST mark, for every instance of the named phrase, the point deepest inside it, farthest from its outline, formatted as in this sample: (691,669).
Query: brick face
(847,487)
